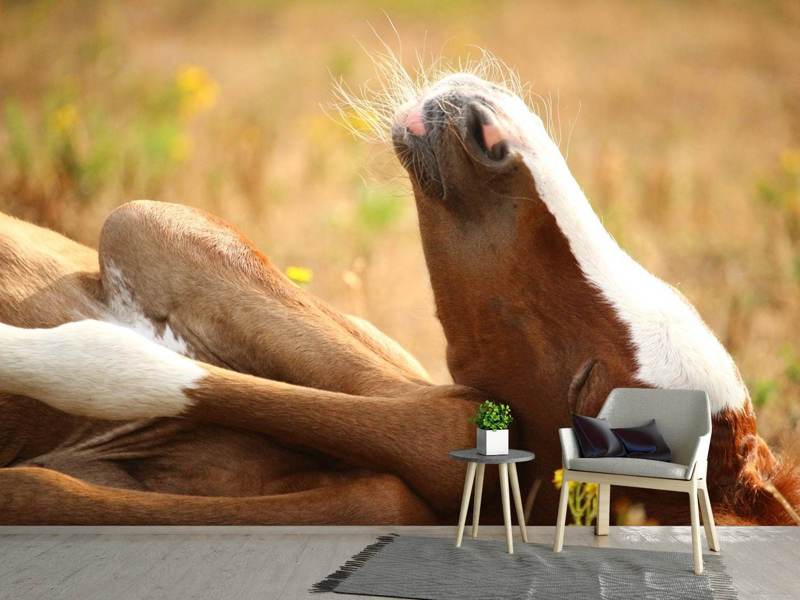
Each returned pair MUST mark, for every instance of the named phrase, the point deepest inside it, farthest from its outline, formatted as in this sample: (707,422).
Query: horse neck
(516,309)
(673,346)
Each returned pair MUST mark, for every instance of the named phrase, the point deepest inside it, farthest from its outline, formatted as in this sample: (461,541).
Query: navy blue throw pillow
(595,438)
(644,441)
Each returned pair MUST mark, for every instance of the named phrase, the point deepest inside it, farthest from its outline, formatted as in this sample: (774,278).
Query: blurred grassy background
(684,121)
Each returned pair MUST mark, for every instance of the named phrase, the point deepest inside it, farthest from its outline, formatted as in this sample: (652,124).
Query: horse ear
(590,387)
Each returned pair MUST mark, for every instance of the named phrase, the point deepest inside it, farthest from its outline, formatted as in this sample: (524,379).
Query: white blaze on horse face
(96,369)
(674,347)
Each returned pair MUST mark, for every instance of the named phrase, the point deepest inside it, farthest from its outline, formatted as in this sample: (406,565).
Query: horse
(176,376)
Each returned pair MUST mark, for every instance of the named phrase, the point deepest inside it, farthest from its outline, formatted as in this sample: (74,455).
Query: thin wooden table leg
(518,502)
(476,501)
(506,506)
(603,509)
(462,517)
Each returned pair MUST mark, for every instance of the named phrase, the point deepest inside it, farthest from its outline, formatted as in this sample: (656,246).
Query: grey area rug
(434,569)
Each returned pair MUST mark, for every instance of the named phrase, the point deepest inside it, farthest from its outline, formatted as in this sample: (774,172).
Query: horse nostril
(482,128)
(498,146)
(491,135)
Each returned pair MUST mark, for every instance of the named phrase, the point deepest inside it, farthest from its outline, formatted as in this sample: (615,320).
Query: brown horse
(175,376)
(541,307)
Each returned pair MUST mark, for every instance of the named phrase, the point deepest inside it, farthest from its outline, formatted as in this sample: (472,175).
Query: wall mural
(175,375)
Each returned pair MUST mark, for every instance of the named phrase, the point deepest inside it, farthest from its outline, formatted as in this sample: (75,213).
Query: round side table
(477,463)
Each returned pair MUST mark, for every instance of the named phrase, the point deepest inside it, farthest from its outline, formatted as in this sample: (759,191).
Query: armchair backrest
(682,417)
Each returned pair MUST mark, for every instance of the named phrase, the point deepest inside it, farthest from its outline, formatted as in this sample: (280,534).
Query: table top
(472,455)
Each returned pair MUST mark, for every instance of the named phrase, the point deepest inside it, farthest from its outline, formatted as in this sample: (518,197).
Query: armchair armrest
(699,458)
(569,446)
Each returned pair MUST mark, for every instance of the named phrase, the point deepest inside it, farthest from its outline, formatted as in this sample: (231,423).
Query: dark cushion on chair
(595,438)
(644,441)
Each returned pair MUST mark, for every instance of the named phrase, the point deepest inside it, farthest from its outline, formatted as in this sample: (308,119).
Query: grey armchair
(684,419)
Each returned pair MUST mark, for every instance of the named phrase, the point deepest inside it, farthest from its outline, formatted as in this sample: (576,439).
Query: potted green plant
(492,419)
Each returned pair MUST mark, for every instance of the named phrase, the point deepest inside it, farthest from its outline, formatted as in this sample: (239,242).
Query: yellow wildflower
(359,120)
(790,160)
(64,118)
(198,92)
(558,478)
(582,500)
(300,275)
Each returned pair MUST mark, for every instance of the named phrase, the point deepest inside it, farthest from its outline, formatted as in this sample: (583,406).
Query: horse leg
(33,495)
(101,370)
(197,281)
(187,271)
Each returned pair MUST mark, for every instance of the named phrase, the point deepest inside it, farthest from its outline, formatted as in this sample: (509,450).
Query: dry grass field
(681,119)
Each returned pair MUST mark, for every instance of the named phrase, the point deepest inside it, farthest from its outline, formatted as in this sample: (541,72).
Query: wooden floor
(265,563)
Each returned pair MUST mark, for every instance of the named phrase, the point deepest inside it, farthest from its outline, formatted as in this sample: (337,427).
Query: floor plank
(272,563)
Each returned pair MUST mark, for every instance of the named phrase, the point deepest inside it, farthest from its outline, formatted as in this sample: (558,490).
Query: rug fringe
(332,581)
(721,584)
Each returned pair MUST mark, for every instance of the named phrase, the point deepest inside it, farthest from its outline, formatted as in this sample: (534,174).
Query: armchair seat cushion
(638,467)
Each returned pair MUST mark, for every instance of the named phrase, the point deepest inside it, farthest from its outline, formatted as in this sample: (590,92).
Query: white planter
(491,443)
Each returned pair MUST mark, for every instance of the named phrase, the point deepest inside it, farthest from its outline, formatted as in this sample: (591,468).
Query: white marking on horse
(674,347)
(126,312)
(96,369)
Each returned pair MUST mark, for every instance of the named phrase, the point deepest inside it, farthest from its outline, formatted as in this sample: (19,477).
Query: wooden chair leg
(518,502)
(462,517)
(697,551)
(506,506)
(562,516)
(603,509)
(476,501)
(708,518)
